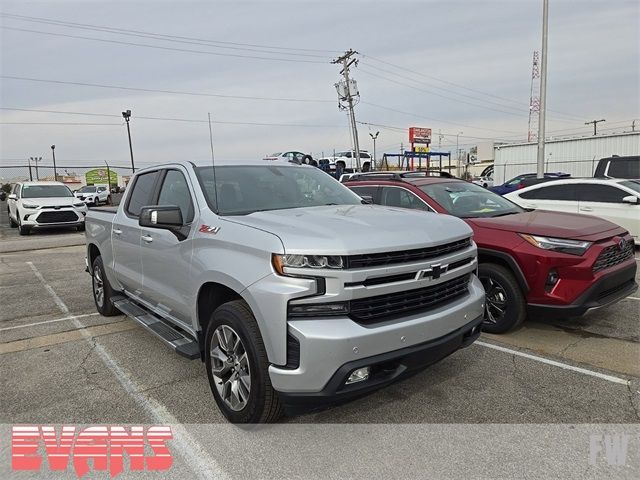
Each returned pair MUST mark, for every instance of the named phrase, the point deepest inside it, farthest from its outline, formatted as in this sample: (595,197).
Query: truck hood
(355,229)
(51,202)
(552,224)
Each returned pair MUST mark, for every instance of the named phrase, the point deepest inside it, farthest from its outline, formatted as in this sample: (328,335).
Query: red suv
(530,262)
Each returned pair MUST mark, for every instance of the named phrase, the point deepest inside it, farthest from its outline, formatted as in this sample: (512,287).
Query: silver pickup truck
(293,292)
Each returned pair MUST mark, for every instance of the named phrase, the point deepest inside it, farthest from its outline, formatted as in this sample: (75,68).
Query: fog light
(552,279)
(359,375)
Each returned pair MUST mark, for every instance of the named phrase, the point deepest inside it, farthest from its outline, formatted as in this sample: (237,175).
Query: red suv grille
(613,255)
(383,307)
(389,258)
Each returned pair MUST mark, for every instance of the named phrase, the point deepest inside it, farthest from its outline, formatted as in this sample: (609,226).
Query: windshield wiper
(503,214)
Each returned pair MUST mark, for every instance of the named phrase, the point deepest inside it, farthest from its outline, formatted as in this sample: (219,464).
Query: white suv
(34,205)
(616,200)
(93,194)
(347,161)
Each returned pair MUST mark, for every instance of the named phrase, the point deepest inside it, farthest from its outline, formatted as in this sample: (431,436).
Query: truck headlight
(564,245)
(306,261)
(319,309)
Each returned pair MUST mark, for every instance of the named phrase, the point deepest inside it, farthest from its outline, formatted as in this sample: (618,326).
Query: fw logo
(612,448)
(92,448)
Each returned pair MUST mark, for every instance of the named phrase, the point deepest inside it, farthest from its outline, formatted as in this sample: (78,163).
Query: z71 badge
(208,229)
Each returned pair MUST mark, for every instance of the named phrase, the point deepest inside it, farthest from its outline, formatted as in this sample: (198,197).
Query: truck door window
(175,191)
(142,193)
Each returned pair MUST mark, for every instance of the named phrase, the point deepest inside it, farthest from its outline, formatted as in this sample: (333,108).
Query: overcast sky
(469,71)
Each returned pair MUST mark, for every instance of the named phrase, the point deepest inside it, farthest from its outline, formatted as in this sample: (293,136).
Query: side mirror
(13,196)
(367,199)
(632,199)
(164,217)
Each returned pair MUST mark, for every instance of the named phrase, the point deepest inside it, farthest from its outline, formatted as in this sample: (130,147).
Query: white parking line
(194,455)
(633,298)
(44,322)
(548,361)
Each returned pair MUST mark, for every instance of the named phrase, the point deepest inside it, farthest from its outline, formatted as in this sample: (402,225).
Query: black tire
(80,228)
(22,230)
(105,307)
(109,201)
(263,404)
(307,159)
(503,294)
(12,222)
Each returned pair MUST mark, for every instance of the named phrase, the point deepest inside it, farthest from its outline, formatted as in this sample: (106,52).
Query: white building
(577,156)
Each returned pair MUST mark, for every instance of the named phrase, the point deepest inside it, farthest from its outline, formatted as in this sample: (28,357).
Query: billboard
(98,176)
(419,135)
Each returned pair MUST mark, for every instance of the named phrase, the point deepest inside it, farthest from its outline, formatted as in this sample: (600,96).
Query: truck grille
(389,258)
(613,255)
(57,217)
(383,307)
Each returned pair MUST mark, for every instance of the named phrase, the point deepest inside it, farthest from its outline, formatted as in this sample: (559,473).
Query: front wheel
(22,230)
(505,305)
(237,366)
(12,222)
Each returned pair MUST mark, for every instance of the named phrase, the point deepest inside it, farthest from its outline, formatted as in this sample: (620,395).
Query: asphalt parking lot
(63,363)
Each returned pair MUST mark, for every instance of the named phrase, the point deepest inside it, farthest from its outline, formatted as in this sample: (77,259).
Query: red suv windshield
(467,200)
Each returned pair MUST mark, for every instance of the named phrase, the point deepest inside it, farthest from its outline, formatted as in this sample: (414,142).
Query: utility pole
(374,137)
(457,150)
(595,123)
(30,174)
(108,176)
(53,153)
(35,160)
(127,115)
(345,93)
(543,89)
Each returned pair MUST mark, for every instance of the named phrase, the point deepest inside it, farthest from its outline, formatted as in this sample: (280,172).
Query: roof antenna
(213,164)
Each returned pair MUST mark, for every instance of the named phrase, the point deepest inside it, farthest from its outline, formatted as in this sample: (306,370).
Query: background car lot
(78,367)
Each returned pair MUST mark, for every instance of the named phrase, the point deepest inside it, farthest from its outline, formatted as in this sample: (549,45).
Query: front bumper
(327,344)
(52,218)
(386,368)
(609,289)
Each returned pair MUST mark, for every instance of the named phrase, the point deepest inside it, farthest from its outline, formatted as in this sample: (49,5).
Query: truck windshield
(468,200)
(45,191)
(243,190)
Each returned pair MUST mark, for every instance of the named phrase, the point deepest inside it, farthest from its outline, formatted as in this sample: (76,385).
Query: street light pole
(35,160)
(30,174)
(127,115)
(53,153)
(543,89)
(457,151)
(374,137)
(108,176)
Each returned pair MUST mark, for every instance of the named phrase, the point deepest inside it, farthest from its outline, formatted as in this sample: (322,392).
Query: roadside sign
(419,135)
(422,149)
(99,176)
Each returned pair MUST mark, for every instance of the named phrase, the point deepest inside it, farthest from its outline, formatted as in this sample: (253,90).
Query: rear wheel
(505,305)
(237,366)
(102,291)
(12,222)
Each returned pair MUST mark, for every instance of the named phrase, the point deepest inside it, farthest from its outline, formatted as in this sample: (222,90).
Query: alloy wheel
(230,367)
(496,301)
(98,286)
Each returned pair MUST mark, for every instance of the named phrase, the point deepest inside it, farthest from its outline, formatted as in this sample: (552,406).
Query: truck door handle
(147,238)
(586,209)
(117,231)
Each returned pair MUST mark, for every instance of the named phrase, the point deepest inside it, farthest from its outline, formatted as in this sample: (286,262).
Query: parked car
(346,161)
(3,196)
(37,205)
(518,182)
(292,292)
(293,157)
(618,167)
(486,182)
(93,195)
(616,200)
(536,262)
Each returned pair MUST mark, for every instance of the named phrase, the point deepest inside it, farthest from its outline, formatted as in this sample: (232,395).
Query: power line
(172,119)
(58,123)
(172,92)
(158,47)
(406,69)
(159,35)
(435,119)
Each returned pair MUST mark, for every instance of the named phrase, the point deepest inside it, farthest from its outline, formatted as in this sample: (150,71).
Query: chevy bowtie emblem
(208,229)
(622,244)
(433,272)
